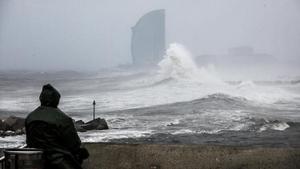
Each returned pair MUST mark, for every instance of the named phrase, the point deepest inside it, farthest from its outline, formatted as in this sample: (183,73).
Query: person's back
(48,128)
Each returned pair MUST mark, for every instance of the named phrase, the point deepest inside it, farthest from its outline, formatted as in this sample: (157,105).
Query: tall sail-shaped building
(148,39)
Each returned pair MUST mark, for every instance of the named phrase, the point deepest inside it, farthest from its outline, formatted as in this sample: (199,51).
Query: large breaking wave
(178,97)
(178,64)
(178,74)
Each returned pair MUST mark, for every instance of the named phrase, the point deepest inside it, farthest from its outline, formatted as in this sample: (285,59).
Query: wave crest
(178,64)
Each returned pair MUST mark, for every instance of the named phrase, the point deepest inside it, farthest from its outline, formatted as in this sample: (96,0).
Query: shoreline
(289,138)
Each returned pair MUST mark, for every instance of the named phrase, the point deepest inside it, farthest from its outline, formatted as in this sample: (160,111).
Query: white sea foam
(178,64)
(12,141)
(18,104)
(188,82)
(274,126)
(107,135)
(246,85)
(184,131)
(173,122)
(208,131)
(178,79)
(260,93)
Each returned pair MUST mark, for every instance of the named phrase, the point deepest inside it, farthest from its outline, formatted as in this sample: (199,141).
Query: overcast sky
(91,34)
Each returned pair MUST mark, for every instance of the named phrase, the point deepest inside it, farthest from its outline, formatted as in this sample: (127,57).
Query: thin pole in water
(94,105)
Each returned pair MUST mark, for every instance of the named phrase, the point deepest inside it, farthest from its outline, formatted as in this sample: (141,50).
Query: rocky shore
(96,124)
(13,125)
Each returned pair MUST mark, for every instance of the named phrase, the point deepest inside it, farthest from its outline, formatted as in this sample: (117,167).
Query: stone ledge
(166,156)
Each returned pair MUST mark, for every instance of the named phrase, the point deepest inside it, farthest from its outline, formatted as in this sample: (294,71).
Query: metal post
(94,105)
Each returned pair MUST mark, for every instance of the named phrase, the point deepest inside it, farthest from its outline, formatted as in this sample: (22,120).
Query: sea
(175,102)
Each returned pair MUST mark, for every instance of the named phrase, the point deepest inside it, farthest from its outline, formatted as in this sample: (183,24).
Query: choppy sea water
(175,103)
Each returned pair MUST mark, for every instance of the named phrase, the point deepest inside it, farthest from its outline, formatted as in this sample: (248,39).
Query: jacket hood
(49,96)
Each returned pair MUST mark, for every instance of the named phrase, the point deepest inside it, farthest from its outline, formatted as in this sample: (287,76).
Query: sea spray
(178,64)
(185,105)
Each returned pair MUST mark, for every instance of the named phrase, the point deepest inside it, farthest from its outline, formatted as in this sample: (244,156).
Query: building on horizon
(148,39)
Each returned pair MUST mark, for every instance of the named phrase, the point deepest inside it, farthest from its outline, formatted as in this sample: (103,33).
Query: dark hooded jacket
(48,128)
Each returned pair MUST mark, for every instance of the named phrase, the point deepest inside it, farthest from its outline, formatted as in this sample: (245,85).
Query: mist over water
(178,97)
(233,78)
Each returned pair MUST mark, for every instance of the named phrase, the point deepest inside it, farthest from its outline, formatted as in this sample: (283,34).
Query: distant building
(240,51)
(241,55)
(247,55)
(148,39)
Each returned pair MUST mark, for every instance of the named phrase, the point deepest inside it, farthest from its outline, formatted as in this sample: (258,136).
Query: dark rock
(3,126)
(96,124)
(20,131)
(24,130)
(16,126)
(79,128)
(79,122)
(9,133)
(4,133)
(14,123)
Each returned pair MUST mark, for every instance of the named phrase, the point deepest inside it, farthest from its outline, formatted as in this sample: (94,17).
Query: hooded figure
(48,128)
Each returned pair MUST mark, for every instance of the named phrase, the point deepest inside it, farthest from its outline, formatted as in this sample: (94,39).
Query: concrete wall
(145,156)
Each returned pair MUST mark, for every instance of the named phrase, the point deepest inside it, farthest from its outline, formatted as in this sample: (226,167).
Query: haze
(90,35)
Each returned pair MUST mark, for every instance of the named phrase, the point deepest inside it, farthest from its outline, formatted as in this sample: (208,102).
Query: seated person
(50,129)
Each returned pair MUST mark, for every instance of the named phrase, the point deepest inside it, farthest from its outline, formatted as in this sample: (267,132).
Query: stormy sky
(93,34)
